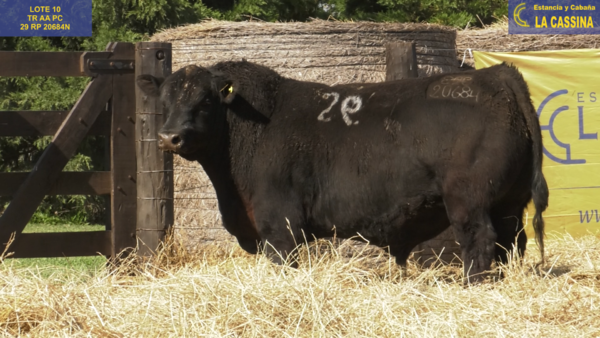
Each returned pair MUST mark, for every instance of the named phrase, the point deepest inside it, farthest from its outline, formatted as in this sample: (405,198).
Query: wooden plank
(44,123)
(400,61)
(40,64)
(123,161)
(68,183)
(63,146)
(155,168)
(61,244)
(107,219)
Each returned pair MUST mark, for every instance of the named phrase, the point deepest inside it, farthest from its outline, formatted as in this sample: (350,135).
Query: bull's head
(194,99)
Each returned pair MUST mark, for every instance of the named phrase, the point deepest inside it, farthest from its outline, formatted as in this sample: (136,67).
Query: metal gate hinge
(93,63)
(111,65)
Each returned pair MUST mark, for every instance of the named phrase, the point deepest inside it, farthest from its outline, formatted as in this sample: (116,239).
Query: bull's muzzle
(169,142)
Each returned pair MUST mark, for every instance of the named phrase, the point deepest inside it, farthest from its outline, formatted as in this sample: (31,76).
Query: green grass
(32,228)
(57,265)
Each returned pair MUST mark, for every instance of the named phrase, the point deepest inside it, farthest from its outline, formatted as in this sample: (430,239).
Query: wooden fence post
(123,164)
(155,168)
(400,61)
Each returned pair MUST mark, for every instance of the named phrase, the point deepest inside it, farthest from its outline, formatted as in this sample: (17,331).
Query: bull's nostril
(169,142)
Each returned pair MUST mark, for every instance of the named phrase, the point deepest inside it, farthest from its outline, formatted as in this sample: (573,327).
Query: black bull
(397,162)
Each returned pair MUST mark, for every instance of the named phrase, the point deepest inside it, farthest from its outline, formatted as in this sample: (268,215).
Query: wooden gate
(140,180)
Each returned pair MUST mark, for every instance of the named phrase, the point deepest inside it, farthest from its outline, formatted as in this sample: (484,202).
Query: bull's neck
(228,169)
(218,169)
(218,166)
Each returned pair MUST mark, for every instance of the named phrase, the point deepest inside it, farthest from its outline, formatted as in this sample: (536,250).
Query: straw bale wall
(319,51)
(496,38)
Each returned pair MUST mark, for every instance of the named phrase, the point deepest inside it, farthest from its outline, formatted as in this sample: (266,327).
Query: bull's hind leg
(508,222)
(507,217)
(426,224)
(472,226)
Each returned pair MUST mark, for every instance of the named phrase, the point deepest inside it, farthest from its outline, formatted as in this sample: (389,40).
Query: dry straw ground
(227,293)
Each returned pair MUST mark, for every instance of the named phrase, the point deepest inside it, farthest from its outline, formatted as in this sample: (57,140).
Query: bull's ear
(225,87)
(227,92)
(149,84)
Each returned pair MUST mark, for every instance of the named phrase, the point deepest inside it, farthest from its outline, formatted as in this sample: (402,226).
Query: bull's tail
(539,190)
(539,187)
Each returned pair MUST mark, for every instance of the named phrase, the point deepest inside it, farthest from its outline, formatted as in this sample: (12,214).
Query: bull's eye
(206,102)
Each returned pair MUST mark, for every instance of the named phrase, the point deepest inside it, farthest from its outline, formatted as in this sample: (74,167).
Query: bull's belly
(388,222)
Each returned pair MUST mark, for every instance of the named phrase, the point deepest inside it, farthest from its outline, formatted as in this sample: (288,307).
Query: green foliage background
(136,20)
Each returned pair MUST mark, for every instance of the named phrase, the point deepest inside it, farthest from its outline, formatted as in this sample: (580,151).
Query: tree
(447,12)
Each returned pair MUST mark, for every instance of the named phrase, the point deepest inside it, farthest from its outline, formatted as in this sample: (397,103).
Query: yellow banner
(565,91)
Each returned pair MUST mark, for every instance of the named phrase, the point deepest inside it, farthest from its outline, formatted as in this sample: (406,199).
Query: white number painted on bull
(350,105)
(465,92)
(449,80)
(336,97)
(454,91)
(454,87)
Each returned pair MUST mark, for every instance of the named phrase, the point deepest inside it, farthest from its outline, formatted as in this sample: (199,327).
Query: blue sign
(554,16)
(45,17)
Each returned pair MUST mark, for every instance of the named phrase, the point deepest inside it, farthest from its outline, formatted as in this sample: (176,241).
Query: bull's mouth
(179,150)
(170,151)
(186,154)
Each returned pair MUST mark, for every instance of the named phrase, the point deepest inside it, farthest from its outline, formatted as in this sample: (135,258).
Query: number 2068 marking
(350,105)
(460,91)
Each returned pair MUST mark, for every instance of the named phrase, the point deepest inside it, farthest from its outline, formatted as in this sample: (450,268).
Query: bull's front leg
(279,222)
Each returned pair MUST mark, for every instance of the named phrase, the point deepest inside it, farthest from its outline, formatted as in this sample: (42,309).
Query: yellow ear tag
(230,89)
